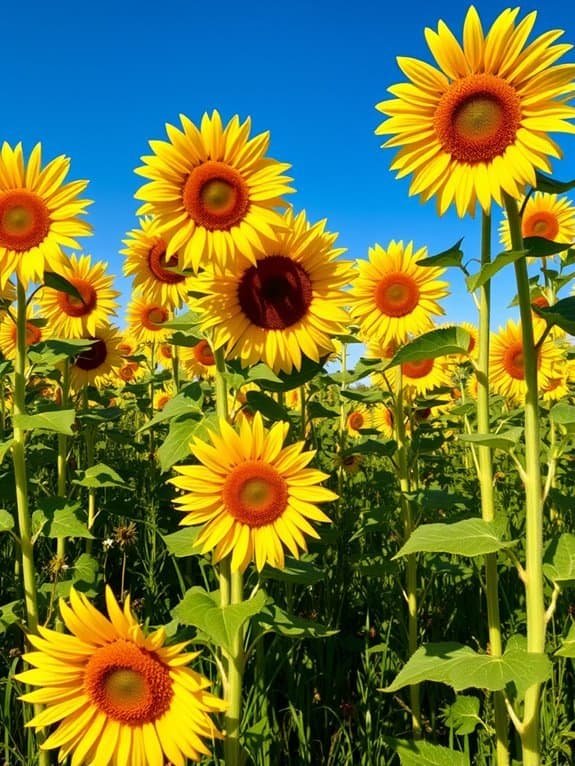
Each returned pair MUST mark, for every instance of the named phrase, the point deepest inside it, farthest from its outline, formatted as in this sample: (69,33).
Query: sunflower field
(278,511)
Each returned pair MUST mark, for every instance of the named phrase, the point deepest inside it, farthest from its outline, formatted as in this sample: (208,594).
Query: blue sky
(96,81)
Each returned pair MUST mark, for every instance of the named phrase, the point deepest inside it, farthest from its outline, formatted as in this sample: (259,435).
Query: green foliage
(453,256)
(470,537)
(57,517)
(433,344)
(463,715)
(425,754)
(59,421)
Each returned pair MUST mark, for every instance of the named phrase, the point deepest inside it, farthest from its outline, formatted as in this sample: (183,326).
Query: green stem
(486,490)
(176,368)
(89,437)
(530,736)
(62,454)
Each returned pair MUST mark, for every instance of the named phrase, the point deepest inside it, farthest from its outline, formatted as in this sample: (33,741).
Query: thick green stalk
(62,453)
(90,450)
(486,489)
(411,563)
(530,736)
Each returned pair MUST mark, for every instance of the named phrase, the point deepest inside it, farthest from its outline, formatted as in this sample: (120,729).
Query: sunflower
(38,214)
(7,295)
(155,274)
(421,377)
(358,418)
(165,352)
(213,191)
(145,319)
(351,464)
(119,696)
(392,296)
(129,371)
(545,215)
(162,396)
(9,335)
(198,360)
(128,345)
(252,494)
(478,125)
(99,361)
(284,307)
(71,317)
(507,367)
(382,420)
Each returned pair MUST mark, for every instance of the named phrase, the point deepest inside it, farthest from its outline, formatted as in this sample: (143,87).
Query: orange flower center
(216,196)
(128,371)
(127,683)
(33,334)
(397,294)
(417,369)
(255,493)
(126,349)
(93,357)
(203,353)
(477,118)
(513,361)
(276,293)
(166,351)
(540,301)
(356,421)
(74,307)
(163,399)
(160,266)
(153,317)
(541,224)
(24,220)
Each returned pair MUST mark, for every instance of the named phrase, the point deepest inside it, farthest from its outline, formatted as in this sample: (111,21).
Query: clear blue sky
(97,80)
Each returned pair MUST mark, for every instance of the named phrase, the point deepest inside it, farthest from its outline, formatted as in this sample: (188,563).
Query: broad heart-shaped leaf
(58,282)
(296,571)
(295,379)
(425,754)
(317,410)
(563,414)
(187,402)
(505,440)
(56,517)
(202,610)
(270,409)
(368,396)
(274,619)
(177,444)
(10,614)
(6,520)
(559,560)
(451,257)
(372,447)
(561,314)
(86,574)
(460,667)
(470,537)
(4,449)
(59,421)
(488,271)
(100,475)
(186,339)
(440,342)
(51,352)
(183,322)
(261,371)
(181,543)
(463,715)
(549,185)
(539,247)
(567,648)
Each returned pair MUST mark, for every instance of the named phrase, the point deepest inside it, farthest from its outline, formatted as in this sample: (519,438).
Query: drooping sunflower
(95,364)
(9,335)
(213,191)
(393,297)
(507,365)
(155,273)
(119,696)
(39,214)
(146,319)
(545,215)
(253,495)
(284,307)
(477,124)
(198,360)
(71,317)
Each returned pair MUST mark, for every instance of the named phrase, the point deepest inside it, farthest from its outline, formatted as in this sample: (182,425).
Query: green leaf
(6,521)
(440,342)
(184,322)
(51,352)
(5,447)
(549,185)
(181,543)
(257,400)
(86,574)
(309,370)
(488,271)
(56,517)
(538,247)
(296,572)
(59,421)
(567,648)
(372,447)
(10,614)
(188,402)
(561,314)
(460,667)
(451,257)
(463,715)
(186,339)
(367,396)
(262,372)
(177,444)
(563,414)
(58,282)
(274,619)
(559,560)
(317,410)
(505,440)
(100,475)
(203,611)
(424,754)
(471,537)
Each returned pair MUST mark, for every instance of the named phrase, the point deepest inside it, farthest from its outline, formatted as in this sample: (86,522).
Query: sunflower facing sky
(97,362)
(145,319)
(119,696)
(213,191)
(477,124)
(545,215)
(392,297)
(252,495)
(39,214)
(198,361)
(284,307)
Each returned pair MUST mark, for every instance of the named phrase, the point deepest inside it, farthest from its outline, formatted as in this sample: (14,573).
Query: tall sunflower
(119,696)
(71,317)
(155,273)
(198,360)
(95,364)
(252,495)
(213,191)
(146,319)
(507,366)
(393,297)
(477,124)
(421,377)
(39,214)
(9,335)
(285,306)
(545,215)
